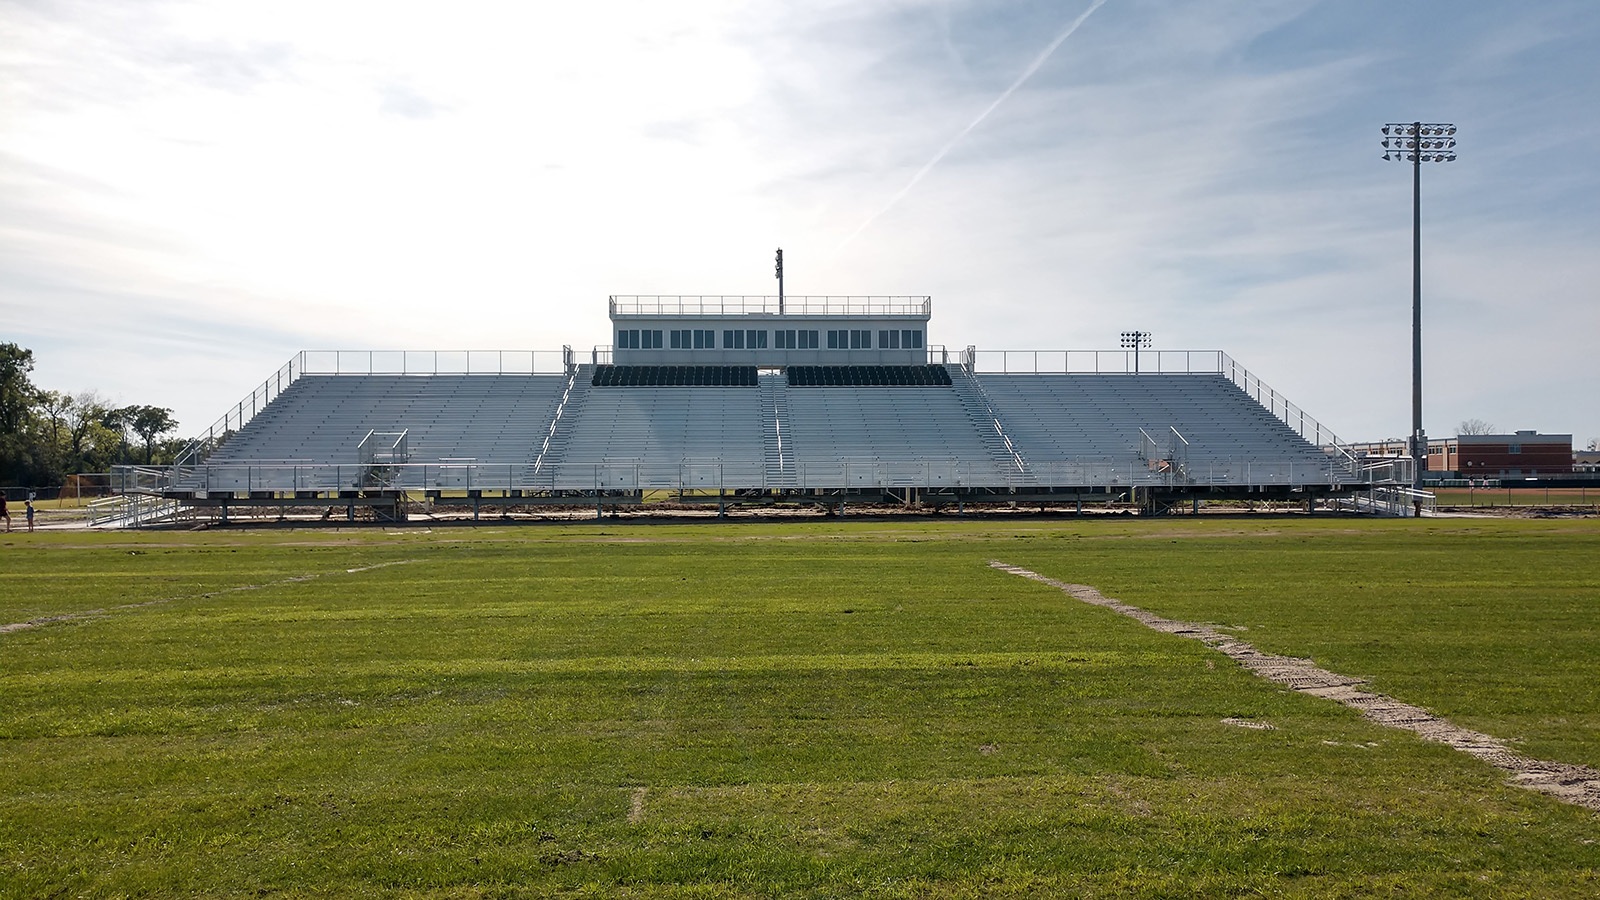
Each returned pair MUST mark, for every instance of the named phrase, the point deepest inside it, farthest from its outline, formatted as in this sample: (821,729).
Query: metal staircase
(777,436)
(568,410)
(991,431)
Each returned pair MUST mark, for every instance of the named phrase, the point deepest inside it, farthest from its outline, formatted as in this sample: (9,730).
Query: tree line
(46,436)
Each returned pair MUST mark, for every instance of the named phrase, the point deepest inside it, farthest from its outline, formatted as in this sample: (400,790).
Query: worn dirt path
(1578,785)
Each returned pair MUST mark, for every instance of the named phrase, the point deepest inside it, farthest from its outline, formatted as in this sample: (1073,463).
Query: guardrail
(1295,417)
(1089,362)
(435,362)
(281,477)
(131,510)
(744,305)
(235,419)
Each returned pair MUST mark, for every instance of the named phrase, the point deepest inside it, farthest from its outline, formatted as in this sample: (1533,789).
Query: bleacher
(1072,419)
(323,418)
(717,428)
(851,435)
(659,436)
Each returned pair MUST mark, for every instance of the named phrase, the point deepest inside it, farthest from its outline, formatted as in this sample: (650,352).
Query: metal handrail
(1087,362)
(435,362)
(992,418)
(538,464)
(1291,415)
(845,472)
(234,419)
(746,305)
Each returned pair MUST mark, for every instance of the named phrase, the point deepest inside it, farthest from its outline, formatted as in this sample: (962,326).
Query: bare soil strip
(1579,785)
(636,806)
(94,613)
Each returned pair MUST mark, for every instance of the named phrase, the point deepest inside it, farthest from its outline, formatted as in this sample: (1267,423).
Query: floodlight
(1133,340)
(1423,142)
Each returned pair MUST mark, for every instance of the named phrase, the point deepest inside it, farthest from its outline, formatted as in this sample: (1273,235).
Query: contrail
(1021,79)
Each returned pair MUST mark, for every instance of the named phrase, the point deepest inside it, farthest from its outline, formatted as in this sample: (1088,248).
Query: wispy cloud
(378,175)
(944,151)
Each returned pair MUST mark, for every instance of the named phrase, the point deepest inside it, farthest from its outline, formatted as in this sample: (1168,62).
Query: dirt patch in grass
(1579,785)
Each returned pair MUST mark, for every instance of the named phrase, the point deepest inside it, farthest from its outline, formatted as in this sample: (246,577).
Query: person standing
(5,513)
(29,504)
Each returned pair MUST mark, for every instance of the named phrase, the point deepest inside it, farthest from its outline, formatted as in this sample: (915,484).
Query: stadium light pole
(1417,143)
(779,271)
(1134,340)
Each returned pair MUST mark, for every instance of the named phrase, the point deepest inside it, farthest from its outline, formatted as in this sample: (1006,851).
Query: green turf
(816,710)
(1515,496)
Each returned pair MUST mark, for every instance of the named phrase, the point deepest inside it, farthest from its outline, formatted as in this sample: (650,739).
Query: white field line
(1579,785)
(92,613)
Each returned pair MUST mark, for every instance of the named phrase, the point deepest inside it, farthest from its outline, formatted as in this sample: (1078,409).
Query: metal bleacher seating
(716,428)
(323,418)
(1067,418)
(658,437)
(852,434)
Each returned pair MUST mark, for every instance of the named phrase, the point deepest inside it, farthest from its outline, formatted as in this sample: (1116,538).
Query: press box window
(681,339)
(838,339)
(635,339)
(901,339)
(704,339)
(808,340)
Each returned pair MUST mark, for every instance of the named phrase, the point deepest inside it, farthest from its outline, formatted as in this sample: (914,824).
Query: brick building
(1523,454)
(1520,455)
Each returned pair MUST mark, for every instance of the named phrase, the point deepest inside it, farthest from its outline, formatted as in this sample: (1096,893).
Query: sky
(193,192)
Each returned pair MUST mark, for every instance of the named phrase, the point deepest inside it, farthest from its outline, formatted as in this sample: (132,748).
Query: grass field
(817,709)
(1514,496)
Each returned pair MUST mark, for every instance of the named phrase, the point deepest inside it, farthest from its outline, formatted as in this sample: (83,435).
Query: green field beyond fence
(837,709)
(1517,496)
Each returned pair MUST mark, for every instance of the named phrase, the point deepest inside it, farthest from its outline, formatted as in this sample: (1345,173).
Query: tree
(53,406)
(17,397)
(17,393)
(47,435)
(1475,426)
(119,419)
(150,422)
(92,443)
